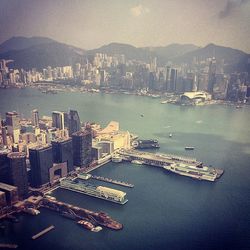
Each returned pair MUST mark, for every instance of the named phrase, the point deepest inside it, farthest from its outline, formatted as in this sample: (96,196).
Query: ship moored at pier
(178,164)
(196,172)
(100,192)
(97,218)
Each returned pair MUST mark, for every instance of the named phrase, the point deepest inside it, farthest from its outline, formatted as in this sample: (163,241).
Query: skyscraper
(35,117)
(4,133)
(58,119)
(73,122)
(18,173)
(4,167)
(167,78)
(13,125)
(40,161)
(66,119)
(13,120)
(211,76)
(173,80)
(82,146)
(63,152)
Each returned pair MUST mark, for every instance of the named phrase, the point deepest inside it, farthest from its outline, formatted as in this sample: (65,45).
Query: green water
(164,211)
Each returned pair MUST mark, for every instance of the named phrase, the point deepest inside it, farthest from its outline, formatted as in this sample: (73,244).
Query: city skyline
(91,24)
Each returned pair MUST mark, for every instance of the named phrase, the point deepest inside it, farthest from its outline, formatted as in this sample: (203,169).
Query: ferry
(137,162)
(88,225)
(144,144)
(31,211)
(100,192)
(116,158)
(189,148)
(196,172)
(164,102)
(84,176)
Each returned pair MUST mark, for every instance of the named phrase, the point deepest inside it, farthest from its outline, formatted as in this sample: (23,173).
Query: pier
(100,218)
(121,183)
(96,165)
(2,245)
(157,160)
(46,230)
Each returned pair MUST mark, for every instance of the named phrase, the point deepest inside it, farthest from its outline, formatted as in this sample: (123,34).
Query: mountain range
(40,52)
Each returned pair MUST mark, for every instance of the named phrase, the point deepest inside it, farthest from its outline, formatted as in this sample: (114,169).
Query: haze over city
(91,24)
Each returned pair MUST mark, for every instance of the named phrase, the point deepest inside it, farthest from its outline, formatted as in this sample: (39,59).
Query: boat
(197,172)
(143,144)
(116,158)
(84,176)
(137,162)
(106,221)
(96,229)
(170,135)
(100,192)
(164,102)
(31,211)
(88,225)
(238,107)
(155,96)
(189,148)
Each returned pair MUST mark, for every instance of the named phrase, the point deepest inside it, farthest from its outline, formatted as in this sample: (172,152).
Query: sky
(90,24)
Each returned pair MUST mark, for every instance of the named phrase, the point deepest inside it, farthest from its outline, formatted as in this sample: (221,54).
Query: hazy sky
(93,23)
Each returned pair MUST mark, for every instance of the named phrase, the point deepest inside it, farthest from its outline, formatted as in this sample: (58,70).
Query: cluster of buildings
(117,73)
(36,152)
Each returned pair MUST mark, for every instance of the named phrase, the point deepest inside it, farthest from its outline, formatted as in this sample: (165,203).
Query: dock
(91,168)
(157,160)
(99,218)
(121,183)
(46,230)
(2,245)
(162,160)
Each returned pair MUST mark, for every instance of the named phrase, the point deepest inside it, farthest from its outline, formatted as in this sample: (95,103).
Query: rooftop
(82,132)
(62,139)
(6,187)
(40,147)
(15,155)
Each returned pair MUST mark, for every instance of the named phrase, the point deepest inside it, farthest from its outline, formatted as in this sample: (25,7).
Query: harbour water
(164,211)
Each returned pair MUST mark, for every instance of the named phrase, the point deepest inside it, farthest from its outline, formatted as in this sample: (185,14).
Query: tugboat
(189,148)
(116,158)
(137,162)
(145,144)
(88,225)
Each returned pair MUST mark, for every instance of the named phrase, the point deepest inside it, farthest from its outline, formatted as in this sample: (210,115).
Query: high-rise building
(73,122)
(58,119)
(66,119)
(13,125)
(211,76)
(4,167)
(3,201)
(41,161)
(173,80)
(13,120)
(63,152)
(10,193)
(168,70)
(18,173)
(35,118)
(4,133)
(82,147)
